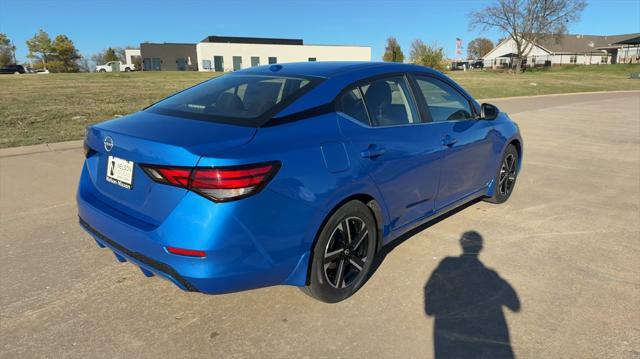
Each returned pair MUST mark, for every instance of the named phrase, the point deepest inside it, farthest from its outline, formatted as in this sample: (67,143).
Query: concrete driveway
(567,242)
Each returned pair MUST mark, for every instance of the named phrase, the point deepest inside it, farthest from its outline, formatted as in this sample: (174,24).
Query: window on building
(273,60)
(604,59)
(443,101)
(351,104)
(152,64)
(255,61)
(237,63)
(206,64)
(389,102)
(573,59)
(312,59)
(218,63)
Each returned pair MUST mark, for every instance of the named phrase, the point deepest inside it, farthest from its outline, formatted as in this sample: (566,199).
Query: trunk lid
(154,139)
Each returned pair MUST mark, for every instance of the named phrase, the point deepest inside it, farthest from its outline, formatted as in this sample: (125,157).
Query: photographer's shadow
(466,299)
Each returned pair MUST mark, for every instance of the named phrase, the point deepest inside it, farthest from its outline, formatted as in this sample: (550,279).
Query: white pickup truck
(115,66)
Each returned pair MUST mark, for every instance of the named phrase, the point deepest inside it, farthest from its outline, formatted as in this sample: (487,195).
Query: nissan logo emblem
(108,143)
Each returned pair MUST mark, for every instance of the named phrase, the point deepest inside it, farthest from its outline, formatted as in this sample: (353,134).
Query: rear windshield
(242,99)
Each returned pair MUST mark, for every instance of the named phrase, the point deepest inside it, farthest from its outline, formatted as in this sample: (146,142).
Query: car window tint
(444,102)
(389,102)
(243,97)
(351,104)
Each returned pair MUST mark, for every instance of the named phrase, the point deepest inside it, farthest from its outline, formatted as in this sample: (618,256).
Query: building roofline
(251,40)
(167,43)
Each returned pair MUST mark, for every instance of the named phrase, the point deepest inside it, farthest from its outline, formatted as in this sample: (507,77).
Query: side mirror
(488,111)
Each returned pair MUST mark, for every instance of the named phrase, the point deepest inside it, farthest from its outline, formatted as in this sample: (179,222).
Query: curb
(556,95)
(70,145)
(43,147)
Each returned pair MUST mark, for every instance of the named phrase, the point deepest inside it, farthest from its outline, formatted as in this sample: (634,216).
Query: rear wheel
(102,70)
(505,179)
(343,253)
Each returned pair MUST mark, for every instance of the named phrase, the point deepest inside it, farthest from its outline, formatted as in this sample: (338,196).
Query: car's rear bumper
(255,242)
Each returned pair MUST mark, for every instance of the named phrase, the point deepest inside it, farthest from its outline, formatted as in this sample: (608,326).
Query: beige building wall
(283,53)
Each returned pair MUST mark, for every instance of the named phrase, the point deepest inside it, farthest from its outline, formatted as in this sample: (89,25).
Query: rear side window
(241,99)
(389,102)
(351,104)
(444,102)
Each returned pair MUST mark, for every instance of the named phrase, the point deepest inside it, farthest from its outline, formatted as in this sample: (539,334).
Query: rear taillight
(220,184)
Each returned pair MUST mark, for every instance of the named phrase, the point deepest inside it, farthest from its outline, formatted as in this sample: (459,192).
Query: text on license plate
(120,172)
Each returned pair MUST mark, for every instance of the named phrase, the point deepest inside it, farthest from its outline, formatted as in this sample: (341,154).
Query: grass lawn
(56,107)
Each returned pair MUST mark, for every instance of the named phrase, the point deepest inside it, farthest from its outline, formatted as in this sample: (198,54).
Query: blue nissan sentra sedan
(291,174)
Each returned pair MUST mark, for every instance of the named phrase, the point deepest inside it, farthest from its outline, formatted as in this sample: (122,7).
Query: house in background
(227,53)
(570,49)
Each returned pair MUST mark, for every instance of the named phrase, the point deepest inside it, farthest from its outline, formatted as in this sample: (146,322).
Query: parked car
(13,69)
(115,66)
(478,64)
(292,174)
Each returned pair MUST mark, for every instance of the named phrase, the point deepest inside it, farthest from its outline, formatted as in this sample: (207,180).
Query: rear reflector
(219,184)
(186,252)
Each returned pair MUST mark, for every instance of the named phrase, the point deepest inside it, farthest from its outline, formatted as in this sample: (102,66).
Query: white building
(218,53)
(130,55)
(570,49)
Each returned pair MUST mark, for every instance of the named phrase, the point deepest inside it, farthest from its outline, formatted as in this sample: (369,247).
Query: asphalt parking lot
(567,242)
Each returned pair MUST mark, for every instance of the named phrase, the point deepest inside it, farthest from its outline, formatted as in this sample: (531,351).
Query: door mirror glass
(488,111)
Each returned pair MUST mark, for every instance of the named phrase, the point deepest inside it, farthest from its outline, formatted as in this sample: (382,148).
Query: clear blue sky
(97,24)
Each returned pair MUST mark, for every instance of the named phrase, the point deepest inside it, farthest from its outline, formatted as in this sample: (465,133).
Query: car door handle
(449,141)
(373,152)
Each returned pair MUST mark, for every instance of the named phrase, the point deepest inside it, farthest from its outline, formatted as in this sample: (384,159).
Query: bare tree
(527,22)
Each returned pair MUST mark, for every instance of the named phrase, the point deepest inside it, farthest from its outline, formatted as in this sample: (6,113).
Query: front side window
(351,104)
(235,99)
(389,102)
(443,101)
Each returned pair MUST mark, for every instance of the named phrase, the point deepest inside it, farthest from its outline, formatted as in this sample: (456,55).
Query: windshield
(242,99)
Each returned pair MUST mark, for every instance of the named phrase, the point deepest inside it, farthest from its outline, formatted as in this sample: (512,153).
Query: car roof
(328,69)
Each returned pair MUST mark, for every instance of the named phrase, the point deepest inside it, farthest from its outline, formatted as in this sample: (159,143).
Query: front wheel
(102,70)
(343,253)
(127,69)
(505,179)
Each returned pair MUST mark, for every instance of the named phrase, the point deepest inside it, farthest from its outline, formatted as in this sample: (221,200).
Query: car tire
(343,253)
(505,179)
(102,70)
(127,69)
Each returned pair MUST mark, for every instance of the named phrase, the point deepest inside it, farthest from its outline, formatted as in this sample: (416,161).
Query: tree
(110,55)
(423,54)
(40,49)
(83,64)
(7,51)
(479,47)
(527,22)
(64,56)
(392,52)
